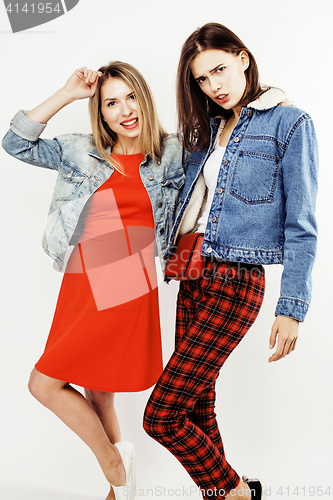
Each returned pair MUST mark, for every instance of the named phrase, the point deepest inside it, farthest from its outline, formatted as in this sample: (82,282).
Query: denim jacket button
(209,250)
(214,219)
(151,177)
(69,175)
(249,114)
(236,139)
(220,191)
(159,204)
(226,162)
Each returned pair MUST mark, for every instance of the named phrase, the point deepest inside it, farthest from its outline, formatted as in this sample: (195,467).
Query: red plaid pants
(213,315)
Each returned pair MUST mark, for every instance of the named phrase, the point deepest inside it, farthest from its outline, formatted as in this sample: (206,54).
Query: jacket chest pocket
(69,179)
(254,178)
(171,189)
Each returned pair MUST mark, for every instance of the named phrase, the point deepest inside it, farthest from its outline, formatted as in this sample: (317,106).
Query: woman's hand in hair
(82,83)
(285,330)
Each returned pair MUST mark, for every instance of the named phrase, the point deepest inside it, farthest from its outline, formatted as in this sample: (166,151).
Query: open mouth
(130,123)
(222,98)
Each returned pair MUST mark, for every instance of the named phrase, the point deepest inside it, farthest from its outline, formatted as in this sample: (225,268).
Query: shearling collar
(272,97)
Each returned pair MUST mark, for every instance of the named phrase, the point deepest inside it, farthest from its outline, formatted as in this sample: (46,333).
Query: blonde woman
(113,191)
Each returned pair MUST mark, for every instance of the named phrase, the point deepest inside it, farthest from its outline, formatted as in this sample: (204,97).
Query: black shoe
(257,488)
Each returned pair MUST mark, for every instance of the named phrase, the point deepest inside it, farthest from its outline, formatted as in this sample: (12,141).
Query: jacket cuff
(28,129)
(291,307)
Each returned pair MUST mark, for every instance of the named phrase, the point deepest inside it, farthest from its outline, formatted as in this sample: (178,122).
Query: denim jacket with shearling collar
(264,202)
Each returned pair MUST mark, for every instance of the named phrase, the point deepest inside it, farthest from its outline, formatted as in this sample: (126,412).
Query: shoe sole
(133,486)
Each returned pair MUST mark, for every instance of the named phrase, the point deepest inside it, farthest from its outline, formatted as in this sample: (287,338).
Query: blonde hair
(152,133)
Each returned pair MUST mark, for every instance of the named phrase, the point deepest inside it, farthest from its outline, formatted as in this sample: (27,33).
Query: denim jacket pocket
(254,178)
(171,188)
(69,179)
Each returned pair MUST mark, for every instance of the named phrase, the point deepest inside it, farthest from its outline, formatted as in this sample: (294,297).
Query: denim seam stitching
(291,299)
(299,121)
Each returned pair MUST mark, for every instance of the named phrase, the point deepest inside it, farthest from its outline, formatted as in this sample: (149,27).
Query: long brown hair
(152,133)
(195,109)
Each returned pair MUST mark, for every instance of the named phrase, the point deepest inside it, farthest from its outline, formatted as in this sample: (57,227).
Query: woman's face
(120,110)
(221,76)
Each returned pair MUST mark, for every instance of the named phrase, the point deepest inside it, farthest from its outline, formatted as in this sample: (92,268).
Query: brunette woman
(250,189)
(113,188)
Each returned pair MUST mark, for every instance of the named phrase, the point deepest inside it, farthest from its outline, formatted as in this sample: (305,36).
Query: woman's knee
(158,424)
(100,401)
(42,387)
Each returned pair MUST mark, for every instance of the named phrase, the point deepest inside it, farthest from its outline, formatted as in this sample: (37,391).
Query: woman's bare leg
(75,411)
(103,405)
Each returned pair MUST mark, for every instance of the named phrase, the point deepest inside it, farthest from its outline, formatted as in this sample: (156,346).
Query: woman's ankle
(241,492)
(113,468)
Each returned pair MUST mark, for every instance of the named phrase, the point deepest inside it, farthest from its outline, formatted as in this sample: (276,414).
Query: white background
(275,419)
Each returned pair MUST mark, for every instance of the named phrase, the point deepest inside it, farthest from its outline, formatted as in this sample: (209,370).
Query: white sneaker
(127,453)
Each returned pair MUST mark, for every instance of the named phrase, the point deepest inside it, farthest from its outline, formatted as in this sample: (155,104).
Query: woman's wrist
(64,97)
(44,111)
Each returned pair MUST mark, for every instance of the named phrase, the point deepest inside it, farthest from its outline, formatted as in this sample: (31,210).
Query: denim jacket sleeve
(299,167)
(22,141)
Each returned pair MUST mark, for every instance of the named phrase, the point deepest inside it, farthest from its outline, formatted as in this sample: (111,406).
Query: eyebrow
(211,71)
(115,99)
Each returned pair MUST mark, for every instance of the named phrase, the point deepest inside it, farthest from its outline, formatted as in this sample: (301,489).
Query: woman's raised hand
(82,83)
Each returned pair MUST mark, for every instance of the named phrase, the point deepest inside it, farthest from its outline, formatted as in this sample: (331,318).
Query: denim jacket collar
(269,99)
(95,154)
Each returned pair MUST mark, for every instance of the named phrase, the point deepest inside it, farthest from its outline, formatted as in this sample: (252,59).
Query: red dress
(105,333)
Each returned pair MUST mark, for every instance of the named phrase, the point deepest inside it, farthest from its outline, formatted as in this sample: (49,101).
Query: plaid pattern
(213,315)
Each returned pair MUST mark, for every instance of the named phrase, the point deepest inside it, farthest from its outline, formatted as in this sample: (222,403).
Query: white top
(211,172)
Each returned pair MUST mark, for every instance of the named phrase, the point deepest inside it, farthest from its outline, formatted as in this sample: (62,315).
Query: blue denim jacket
(263,207)
(81,171)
